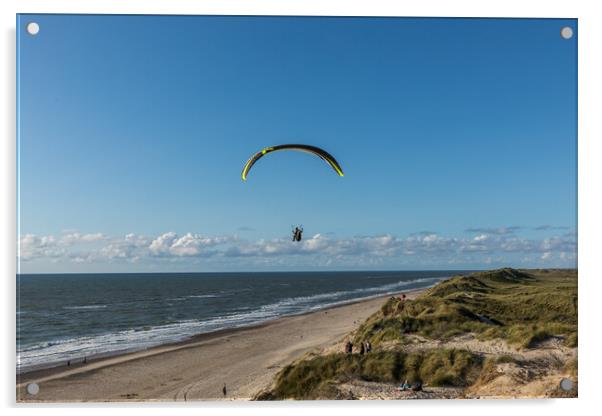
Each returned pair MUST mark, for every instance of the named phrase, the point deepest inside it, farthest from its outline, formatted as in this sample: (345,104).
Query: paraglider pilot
(297,233)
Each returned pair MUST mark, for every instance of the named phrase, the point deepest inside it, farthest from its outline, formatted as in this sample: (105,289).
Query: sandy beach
(244,359)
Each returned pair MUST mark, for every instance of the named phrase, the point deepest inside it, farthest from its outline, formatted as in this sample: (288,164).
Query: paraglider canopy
(299,147)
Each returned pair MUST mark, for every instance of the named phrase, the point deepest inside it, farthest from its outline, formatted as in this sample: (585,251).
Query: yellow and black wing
(299,147)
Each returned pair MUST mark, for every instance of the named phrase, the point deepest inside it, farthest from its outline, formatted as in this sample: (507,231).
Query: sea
(69,317)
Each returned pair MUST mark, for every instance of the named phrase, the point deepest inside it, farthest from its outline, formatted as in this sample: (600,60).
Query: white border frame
(590,205)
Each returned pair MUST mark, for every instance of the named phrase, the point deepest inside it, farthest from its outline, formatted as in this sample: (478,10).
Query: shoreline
(77,362)
(265,346)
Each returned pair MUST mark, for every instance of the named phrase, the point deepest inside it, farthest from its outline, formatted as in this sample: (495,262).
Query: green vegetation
(488,372)
(505,359)
(571,340)
(522,308)
(317,377)
(571,367)
(490,368)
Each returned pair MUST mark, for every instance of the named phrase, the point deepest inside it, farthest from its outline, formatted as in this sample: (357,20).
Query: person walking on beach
(361,348)
(348,347)
(368,347)
(224,390)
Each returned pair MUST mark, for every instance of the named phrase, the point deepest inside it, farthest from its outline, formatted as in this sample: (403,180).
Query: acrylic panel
(309,208)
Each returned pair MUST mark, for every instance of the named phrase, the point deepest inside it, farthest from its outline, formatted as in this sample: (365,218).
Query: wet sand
(245,359)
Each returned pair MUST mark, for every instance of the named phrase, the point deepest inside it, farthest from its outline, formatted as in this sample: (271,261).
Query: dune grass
(317,377)
(571,367)
(523,308)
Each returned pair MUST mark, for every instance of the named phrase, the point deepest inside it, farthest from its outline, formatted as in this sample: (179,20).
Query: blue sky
(457,138)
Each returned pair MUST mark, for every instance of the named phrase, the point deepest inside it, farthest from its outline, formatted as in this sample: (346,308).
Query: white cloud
(319,249)
(32,246)
(497,231)
(189,245)
(75,237)
(481,237)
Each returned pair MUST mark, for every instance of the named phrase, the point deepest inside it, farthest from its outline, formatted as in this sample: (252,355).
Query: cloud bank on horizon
(72,251)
